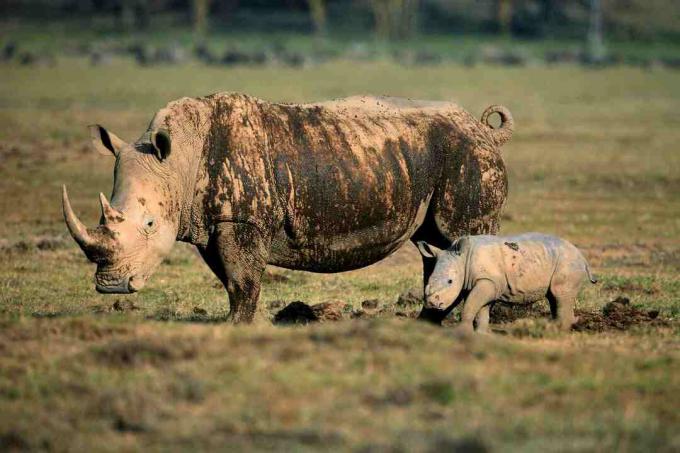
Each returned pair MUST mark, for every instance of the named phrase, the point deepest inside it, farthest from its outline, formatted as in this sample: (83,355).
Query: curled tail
(591,277)
(504,131)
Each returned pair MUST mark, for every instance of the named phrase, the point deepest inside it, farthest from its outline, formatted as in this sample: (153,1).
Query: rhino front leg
(237,254)
(482,319)
(481,295)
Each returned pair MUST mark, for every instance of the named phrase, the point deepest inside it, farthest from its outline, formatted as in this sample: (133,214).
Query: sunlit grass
(593,159)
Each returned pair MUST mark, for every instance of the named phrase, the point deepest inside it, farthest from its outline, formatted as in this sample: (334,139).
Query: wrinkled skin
(511,269)
(325,187)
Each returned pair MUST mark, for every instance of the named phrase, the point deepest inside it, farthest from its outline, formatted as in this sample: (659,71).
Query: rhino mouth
(127,285)
(121,287)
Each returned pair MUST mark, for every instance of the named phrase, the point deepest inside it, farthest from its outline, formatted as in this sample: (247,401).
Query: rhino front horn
(75,226)
(109,213)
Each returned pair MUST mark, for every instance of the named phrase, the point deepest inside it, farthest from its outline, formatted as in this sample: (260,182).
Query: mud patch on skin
(512,245)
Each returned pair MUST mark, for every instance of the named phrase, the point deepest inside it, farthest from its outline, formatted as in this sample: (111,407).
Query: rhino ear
(427,250)
(105,142)
(460,245)
(161,143)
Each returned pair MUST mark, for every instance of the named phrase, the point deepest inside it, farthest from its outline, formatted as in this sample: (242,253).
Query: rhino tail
(502,133)
(591,277)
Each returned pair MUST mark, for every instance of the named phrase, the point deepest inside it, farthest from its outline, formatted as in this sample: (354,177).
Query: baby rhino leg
(482,319)
(481,295)
(562,297)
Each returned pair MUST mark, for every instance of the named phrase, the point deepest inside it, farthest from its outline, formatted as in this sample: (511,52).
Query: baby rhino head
(446,281)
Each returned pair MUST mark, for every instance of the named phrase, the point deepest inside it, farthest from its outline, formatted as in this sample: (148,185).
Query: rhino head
(448,276)
(139,226)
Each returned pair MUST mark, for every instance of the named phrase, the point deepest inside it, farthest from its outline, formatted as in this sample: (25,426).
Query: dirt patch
(618,314)
(124,305)
(410,298)
(505,313)
(299,312)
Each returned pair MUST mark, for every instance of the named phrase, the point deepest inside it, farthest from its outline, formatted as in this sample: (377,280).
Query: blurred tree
(200,10)
(317,9)
(503,15)
(595,47)
(395,19)
(132,14)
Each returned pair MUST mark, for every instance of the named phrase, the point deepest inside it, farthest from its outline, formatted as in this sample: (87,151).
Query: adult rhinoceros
(324,187)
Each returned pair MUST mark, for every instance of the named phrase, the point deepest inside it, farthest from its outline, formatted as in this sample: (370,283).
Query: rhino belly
(341,250)
(529,268)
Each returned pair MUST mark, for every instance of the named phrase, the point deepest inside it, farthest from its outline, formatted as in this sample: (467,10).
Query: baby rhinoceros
(511,269)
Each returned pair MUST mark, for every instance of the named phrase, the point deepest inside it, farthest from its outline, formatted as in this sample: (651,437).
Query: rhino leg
(562,299)
(237,254)
(481,295)
(562,308)
(482,319)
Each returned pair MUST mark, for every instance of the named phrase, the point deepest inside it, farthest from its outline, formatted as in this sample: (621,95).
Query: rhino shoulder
(483,260)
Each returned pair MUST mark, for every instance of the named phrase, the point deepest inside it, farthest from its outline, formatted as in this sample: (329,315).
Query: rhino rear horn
(109,213)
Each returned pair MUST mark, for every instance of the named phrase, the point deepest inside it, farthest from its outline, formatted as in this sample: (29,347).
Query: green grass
(594,159)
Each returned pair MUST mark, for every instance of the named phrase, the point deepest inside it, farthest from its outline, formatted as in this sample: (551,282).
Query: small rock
(329,311)
(411,297)
(296,312)
(619,304)
(623,300)
(359,314)
(124,305)
(370,304)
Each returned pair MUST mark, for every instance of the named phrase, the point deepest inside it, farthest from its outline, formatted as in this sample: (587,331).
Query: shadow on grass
(198,315)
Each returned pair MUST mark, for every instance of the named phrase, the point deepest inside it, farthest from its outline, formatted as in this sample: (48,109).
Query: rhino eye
(450,281)
(149,223)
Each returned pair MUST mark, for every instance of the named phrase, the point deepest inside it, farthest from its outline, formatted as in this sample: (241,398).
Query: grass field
(594,158)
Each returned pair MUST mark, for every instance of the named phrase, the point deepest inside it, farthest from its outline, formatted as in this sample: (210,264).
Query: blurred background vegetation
(296,32)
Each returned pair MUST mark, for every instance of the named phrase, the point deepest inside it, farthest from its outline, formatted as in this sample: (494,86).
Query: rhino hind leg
(237,254)
(562,309)
(562,299)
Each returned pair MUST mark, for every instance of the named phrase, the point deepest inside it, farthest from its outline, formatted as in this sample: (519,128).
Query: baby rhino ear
(427,250)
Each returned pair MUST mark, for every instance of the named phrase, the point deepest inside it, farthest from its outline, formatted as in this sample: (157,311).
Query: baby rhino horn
(109,213)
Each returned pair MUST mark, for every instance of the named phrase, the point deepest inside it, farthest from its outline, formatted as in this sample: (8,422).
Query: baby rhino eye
(450,281)
(149,223)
